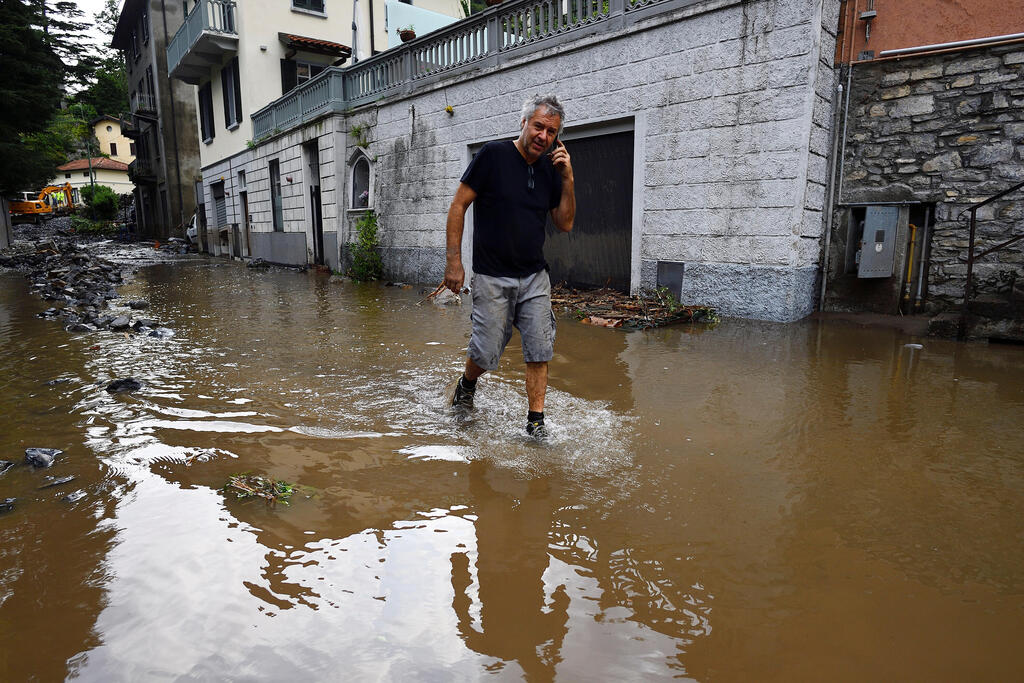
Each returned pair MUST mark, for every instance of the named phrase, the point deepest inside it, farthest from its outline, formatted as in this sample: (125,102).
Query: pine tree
(30,90)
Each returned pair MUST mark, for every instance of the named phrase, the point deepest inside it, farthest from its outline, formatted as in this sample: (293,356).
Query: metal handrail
(482,40)
(971,256)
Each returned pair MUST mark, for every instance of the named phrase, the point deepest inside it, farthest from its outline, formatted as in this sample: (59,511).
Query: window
(294,73)
(232,95)
(131,148)
(145,25)
(113,149)
(85,175)
(150,88)
(275,195)
(206,113)
(110,129)
(311,5)
(361,184)
(360,180)
(67,175)
(133,48)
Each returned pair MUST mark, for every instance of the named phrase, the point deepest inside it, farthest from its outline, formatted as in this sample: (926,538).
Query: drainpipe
(174,125)
(834,189)
(372,50)
(355,36)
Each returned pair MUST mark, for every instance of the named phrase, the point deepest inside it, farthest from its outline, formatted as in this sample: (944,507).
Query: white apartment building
(244,56)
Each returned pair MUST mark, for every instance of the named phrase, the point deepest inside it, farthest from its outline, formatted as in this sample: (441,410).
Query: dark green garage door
(597,251)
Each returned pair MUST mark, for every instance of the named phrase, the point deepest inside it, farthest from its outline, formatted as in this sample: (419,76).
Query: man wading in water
(514,183)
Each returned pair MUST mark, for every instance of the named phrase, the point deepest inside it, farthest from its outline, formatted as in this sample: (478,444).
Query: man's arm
(454,273)
(564,214)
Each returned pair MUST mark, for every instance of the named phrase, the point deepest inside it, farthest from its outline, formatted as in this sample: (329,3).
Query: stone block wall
(730,103)
(946,129)
(731,108)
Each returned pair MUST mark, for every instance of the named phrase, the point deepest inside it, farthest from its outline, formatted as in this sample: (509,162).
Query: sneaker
(536,429)
(462,398)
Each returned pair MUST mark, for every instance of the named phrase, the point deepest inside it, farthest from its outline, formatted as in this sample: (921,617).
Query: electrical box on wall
(878,242)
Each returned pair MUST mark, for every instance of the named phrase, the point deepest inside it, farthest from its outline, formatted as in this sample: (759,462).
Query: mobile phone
(553,147)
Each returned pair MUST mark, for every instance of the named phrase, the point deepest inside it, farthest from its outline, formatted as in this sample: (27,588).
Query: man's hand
(454,275)
(561,160)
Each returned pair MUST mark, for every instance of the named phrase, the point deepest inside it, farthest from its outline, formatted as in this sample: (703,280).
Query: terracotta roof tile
(97,162)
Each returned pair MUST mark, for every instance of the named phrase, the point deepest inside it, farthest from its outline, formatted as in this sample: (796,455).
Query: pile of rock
(80,285)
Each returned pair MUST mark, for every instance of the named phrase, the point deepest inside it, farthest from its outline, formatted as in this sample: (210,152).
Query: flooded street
(814,501)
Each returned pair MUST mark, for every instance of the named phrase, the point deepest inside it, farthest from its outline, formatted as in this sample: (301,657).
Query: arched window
(360,180)
(361,183)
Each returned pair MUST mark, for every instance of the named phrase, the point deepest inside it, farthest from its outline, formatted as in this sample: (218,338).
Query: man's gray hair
(549,102)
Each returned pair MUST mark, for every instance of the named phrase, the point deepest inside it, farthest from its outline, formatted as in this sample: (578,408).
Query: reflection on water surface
(755,501)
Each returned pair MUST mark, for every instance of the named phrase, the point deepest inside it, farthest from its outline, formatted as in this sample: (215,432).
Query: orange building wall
(910,23)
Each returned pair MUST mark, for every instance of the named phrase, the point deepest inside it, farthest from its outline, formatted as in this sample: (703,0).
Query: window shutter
(289,79)
(238,90)
(225,91)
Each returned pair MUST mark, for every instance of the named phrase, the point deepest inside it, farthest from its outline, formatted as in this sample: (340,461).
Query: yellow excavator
(52,200)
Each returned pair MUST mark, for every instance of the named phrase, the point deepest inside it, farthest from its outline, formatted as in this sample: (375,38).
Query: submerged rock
(5,465)
(41,457)
(138,305)
(126,384)
(162,332)
(121,322)
(74,496)
(7,504)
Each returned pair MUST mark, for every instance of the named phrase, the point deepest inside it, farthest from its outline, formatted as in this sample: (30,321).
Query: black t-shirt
(509,216)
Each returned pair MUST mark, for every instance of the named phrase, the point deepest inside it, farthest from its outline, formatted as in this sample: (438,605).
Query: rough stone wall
(949,129)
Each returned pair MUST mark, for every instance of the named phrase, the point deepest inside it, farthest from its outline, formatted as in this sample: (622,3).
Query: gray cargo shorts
(501,303)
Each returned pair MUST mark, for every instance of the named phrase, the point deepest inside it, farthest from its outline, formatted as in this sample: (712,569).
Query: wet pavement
(749,502)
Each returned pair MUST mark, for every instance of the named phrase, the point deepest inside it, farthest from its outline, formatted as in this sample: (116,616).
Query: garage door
(597,251)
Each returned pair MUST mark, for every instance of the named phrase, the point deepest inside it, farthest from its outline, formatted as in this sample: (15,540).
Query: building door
(243,201)
(598,250)
(312,154)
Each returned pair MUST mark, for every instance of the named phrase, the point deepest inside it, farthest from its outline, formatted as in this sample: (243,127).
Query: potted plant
(407,33)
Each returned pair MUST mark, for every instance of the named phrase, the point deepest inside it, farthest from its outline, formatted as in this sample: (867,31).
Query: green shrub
(101,201)
(87,226)
(366,262)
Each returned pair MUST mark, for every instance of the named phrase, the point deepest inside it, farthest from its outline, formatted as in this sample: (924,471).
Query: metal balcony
(141,172)
(144,105)
(209,32)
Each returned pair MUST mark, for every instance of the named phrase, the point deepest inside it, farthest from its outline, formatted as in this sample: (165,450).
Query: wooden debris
(248,485)
(611,308)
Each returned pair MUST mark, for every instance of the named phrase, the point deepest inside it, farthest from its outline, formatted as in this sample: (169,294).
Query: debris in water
(41,457)
(248,485)
(610,308)
(57,481)
(126,384)
(7,504)
(914,346)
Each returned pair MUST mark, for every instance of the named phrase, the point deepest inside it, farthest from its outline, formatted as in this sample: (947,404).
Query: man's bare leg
(473,370)
(536,385)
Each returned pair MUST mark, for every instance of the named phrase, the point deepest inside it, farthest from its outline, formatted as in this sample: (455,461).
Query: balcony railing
(143,103)
(209,31)
(487,39)
(141,171)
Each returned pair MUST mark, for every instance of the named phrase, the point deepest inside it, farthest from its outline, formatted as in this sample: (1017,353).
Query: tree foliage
(101,200)
(30,79)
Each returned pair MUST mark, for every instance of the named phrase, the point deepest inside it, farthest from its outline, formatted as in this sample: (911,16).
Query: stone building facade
(930,135)
(726,104)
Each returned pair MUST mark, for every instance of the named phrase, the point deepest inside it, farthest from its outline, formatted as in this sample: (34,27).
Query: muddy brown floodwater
(814,501)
